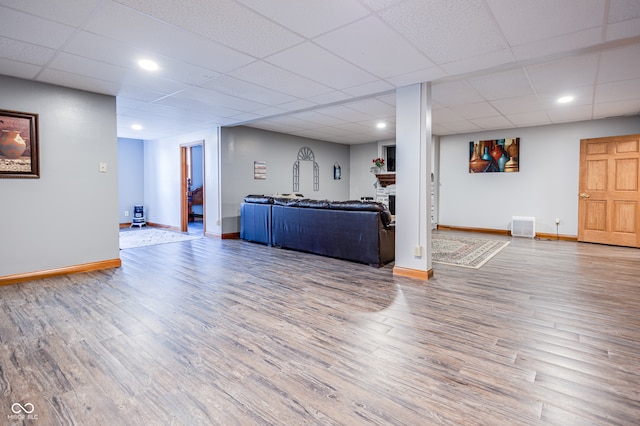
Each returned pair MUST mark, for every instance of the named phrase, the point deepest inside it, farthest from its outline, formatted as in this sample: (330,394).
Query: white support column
(413,181)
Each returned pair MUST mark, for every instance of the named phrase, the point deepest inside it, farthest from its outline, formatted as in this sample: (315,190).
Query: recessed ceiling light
(148,64)
(136,127)
(565,99)
(381,125)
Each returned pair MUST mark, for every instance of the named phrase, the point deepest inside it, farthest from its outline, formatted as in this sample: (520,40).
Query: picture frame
(259,170)
(494,156)
(19,145)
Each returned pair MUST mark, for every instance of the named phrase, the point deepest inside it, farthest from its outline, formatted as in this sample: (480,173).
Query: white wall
(362,180)
(130,176)
(546,186)
(241,146)
(69,216)
(162,179)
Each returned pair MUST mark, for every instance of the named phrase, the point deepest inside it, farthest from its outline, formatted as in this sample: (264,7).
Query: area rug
(464,251)
(151,236)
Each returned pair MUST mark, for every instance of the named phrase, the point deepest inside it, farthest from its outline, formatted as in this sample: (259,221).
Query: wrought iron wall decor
(306,154)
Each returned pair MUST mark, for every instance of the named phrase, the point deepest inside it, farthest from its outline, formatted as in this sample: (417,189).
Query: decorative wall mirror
(306,154)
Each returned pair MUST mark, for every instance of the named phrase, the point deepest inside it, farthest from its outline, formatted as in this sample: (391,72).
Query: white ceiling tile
(504,84)
(269,111)
(280,80)
(446,31)
(25,52)
(310,17)
(224,21)
(518,105)
(297,105)
(491,123)
(525,21)
(623,10)
(373,107)
(444,115)
(484,61)
(421,76)
(347,114)
(380,4)
(621,30)
(374,46)
(142,32)
(32,29)
(18,69)
(620,64)
(475,110)
(242,89)
(615,109)
(454,93)
(581,96)
(558,45)
(565,115)
(462,126)
(69,12)
(89,84)
(321,66)
(330,97)
(318,118)
(618,91)
(80,65)
(564,74)
(536,118)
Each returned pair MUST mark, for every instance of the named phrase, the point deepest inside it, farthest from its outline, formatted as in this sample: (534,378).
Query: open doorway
(192,180)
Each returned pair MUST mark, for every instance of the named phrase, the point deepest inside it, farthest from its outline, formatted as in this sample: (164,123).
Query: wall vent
(523,226)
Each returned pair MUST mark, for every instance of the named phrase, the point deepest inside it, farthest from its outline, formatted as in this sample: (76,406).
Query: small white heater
(523,226)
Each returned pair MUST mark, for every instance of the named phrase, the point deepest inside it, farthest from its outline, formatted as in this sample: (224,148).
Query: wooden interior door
(609,203)
(184,190)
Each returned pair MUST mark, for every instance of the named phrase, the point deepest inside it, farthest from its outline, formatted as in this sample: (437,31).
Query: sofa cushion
(286,201)
(258,199)
(369,206)
(315,204)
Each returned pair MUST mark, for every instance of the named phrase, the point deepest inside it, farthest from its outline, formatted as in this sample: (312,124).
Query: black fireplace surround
(350,230)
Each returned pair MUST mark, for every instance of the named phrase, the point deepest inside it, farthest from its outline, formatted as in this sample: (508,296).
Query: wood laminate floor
(233,333)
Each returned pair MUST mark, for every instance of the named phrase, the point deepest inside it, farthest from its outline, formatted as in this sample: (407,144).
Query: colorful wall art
(496,155)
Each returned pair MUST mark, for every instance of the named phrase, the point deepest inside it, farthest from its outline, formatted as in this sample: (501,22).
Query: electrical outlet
(417,251)
(126,213)
(557,221)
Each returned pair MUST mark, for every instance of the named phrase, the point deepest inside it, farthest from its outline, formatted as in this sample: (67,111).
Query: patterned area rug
(151,236)
(464,251)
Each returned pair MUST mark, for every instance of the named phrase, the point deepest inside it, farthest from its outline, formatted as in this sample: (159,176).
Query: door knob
(583,195)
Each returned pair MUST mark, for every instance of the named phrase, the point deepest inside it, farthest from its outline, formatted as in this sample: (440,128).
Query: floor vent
(523,226)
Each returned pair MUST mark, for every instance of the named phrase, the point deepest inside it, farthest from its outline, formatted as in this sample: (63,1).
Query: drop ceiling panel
(321,66)
(619,64)
(17,25)
(69,12)
(454,93)
(518,105)
(226,22)
(309,17)
(500,85)
(429,25)
(67,79)
(528,21)
(153,36)
(24,52)
(496,122)
(622,30)
(372,45)
(281,80)
(564,74)
(614,109)
(18,69)
(557,45)
(565,115)
(537,118)
(618,91)
(475,110)
(242,89)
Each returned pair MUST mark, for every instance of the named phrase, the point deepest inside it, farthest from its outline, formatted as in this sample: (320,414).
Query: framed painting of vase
(494,156)
(19,156)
